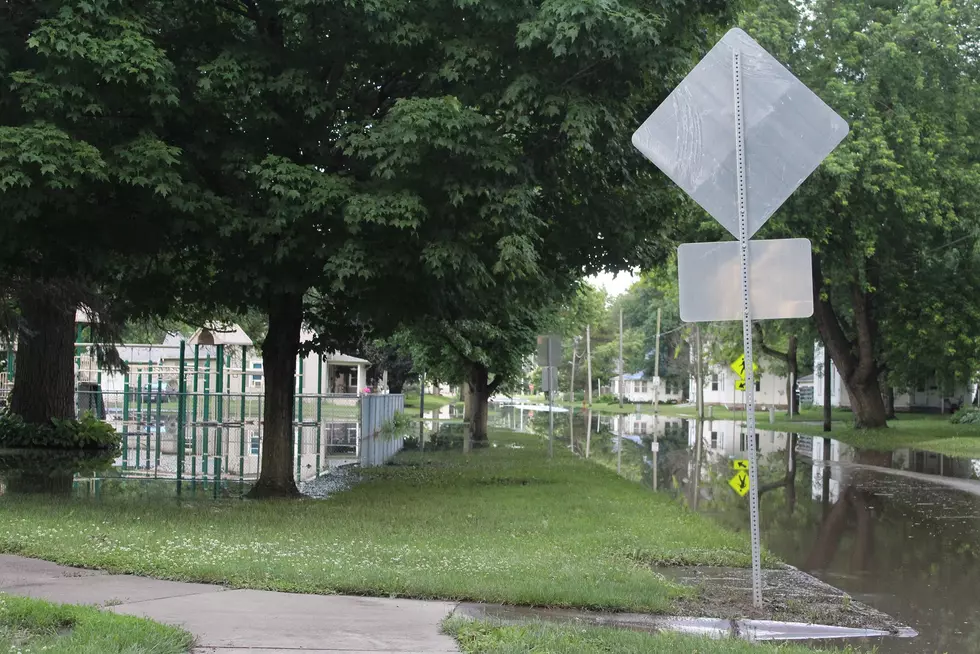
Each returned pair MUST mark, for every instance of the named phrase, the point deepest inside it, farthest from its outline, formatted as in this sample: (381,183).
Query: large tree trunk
(792,366)
(44,386)
(792,399)
(279,362)
(855,360)
(890,402)
(478,405)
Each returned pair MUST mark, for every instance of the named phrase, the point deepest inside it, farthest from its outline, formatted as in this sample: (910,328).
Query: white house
(638,388)
(927,396)
(728,439)
(720,387)
(333,373)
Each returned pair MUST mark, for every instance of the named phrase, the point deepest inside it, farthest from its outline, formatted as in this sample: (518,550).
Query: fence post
(319,412)
(241,438)
(298,429)
(148,410)
(360,431)
(125,429)
(139,416)
(159,420)
(181,406)
(219,416)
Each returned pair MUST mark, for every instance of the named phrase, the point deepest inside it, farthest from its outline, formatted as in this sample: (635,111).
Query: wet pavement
(898,531)
(747,629)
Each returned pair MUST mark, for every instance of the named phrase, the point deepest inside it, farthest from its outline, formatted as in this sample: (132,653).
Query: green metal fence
(199,419)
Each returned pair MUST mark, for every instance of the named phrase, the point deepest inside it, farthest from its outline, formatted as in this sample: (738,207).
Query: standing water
(897,530)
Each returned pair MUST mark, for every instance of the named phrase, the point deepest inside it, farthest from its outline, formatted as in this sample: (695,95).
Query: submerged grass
(930,432)
(29,625)
(503,524)
(479,637)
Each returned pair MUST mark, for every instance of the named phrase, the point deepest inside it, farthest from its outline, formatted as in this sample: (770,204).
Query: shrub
(89,433)
(607,398)
(966,416)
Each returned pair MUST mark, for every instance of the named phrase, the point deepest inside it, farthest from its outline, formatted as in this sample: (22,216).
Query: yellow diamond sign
(738,365)
(740,483)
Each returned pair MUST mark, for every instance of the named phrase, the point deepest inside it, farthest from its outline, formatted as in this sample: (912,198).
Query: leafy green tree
(893,213)
(88,189)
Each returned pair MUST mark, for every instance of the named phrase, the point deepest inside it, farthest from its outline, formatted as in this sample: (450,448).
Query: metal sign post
(782,132)
(743,246)
(552,378)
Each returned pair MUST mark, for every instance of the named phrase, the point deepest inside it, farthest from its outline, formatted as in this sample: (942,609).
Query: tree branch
(237,10)
(765,348)
(492,387)
(834,338)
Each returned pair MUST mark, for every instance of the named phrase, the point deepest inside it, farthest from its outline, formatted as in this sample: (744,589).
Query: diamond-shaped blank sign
(788,131)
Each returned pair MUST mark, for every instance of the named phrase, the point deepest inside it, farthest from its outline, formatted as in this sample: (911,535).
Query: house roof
(220,334)
(635,376)
(346,359)
(334,357)
(139,354)
(173,339)
(806,380)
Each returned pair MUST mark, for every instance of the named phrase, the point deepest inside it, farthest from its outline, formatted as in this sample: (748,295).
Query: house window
(714,382)
(253,446)
(643,386)
(714,439)
(257,366)
(758,385)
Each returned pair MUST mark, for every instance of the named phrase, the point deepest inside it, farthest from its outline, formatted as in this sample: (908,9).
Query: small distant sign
(549,350)
(740,464)
(549,379)
(740,483)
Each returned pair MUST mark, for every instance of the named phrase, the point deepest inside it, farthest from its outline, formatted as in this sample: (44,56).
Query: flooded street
(899,530)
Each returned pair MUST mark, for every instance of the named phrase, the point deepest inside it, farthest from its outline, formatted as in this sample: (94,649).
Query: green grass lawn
(29,626)
(432,402)
(504,524)
(478,637)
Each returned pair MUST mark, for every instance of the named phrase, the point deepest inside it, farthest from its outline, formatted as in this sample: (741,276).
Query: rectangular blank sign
(549,350)
(780,280)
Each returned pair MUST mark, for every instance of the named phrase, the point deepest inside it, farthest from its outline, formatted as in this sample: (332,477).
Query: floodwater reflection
(898,530)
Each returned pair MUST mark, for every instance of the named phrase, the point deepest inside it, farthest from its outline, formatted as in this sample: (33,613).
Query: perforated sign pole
(743,242)
(552,379)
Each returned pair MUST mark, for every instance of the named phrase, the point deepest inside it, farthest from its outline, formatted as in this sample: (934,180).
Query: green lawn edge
(32,625)
(485,637)
(504,524)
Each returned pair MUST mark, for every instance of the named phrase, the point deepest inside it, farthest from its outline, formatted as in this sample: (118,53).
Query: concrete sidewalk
(238,621)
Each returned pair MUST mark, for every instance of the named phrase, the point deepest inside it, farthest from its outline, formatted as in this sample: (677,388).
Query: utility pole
(422,412)
(826,388)
(571,385)
(588,363)
(622,366)
(656,378)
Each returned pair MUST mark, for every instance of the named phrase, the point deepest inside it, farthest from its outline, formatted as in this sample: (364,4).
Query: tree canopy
(893,212)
